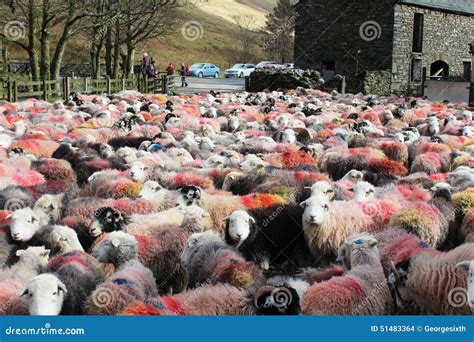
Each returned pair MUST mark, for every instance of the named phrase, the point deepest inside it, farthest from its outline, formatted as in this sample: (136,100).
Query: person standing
(170,69)
(182,73)
(186,66)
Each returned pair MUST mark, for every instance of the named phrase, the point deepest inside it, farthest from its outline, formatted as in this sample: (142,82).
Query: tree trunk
(108,51)
(59,52)
(116,58)
(33,43)
(130,60)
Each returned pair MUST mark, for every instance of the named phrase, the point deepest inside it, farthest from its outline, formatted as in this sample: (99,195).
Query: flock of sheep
(272,203)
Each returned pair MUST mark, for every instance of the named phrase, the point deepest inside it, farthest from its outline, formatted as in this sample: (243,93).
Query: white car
(239,70)
(265,63)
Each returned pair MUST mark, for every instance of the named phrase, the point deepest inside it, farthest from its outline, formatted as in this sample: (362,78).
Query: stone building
(384,46)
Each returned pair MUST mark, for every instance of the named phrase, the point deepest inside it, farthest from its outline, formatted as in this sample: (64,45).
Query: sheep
(468,267)
(132,281)
(208,259)
(139,172)
(45,295)
(259,236)
(31,262)
(206,300)
(161,254)
(413,280)
(327,225)
(14,197)
(50,205)
(80,273)
(363,290)
(63,239)
(363,191)
(25,223)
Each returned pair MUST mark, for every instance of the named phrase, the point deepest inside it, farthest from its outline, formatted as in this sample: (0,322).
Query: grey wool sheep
(132,281)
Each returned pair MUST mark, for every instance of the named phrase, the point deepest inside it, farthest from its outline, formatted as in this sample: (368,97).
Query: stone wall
(446,37)
(330,31)
(377,82)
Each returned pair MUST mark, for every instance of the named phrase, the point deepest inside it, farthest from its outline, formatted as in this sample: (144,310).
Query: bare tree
(246,26)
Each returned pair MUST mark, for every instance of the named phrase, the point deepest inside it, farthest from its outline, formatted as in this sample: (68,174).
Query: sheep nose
(312,217)
(16,234)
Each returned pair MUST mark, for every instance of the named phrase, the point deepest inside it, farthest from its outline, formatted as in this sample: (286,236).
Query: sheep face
(288,136)
(358,250)
(363,191)
(64,239)
(114,247)
(149,190)
(354,176)
(323,188)
(252,164)
(45,294)
(315,210)
(197,240)
(127,154)
(238,226)
(107,220)
(138,172)
(189,195)
(105,151)
(50,205)
(25,223)
(206,144)
(180,155)
(40,253)
(5,141)
(214,161)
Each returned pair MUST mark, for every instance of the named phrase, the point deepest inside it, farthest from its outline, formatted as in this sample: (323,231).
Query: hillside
(217,37)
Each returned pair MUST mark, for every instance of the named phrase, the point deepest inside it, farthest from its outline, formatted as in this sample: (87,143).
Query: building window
(439,70)
(467,71)
(418,32)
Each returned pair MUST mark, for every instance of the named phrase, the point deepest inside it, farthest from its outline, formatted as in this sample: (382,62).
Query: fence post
(164,87)
(145,88)
(342,88)
(67,86)
(15,91)
(109,86)
(123,83)
(45,90)
(86,84)
(10,90)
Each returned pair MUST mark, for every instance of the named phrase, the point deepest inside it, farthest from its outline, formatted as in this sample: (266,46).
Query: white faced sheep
(45,295)
(363,191)
(26,223)
(268,236)
(31,262)
(432,281)
(139,172)
(131,282)
(63,239)
(253,164)
(327,225)
(50,205)
(363,290)
(127,154)
(208,259)
(80,273)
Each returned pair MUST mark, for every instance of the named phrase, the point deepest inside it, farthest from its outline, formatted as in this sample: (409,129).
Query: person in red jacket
(170,69)
(186,68)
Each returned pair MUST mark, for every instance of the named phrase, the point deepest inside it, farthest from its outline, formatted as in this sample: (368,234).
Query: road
(199,85)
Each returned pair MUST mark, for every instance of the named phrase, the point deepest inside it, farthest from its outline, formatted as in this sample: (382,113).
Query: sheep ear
(372,243)
(260,166)
(19,252)
(225,219)
(464,266)
(24,292)
(45,253)
(303,204)
(115,242)
(251,219)
(307,187)
(9,216)
(62,287)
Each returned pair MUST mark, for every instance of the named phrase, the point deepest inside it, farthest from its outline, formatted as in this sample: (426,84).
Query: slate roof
(460,6)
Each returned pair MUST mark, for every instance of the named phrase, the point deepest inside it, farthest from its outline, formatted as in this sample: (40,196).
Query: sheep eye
(55,293)
(326,207)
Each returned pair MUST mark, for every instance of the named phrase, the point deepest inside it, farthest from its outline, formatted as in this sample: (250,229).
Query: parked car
(239,70)
(204,70)
(264,63)
(288,65)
